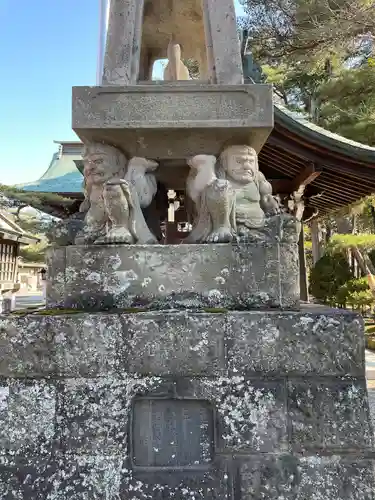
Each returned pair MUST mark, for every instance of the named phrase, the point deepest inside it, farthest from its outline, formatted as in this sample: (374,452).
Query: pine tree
(320,57)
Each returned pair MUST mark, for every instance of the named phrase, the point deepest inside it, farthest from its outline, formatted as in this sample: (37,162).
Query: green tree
(355,293)
(50,203)
(320,57)
(35,252)
(330,273)
(37,225)
(347,104)
(300,30)
(193,67)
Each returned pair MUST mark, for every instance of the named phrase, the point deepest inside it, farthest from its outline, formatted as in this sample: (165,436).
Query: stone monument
(188,371)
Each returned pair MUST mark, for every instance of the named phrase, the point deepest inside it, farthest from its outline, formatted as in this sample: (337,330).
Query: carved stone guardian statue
(253,198)
(114,197)
(231,201)
(213,222)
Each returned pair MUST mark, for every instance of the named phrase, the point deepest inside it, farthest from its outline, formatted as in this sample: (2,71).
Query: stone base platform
(176,405)
(176,120)
(260,273)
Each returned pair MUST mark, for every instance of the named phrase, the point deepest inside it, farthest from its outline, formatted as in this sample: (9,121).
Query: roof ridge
(301,124)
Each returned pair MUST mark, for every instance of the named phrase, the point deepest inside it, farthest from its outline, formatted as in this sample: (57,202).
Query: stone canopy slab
(153,120)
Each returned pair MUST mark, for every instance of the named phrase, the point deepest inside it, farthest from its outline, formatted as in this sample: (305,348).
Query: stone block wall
(260,405)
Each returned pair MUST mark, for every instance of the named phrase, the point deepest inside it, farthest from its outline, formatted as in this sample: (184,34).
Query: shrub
(327,276)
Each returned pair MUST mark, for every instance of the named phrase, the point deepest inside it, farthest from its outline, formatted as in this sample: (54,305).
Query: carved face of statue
(96,168)
(100,166)
(240,163)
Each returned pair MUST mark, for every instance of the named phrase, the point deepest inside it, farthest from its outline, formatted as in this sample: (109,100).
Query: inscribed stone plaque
(172,433)
(150,106)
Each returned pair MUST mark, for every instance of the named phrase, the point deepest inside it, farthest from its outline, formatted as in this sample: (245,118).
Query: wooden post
(316,248)
(304,291)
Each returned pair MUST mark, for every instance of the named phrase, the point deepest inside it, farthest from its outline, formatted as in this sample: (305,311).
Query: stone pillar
(123,47)
(223,46)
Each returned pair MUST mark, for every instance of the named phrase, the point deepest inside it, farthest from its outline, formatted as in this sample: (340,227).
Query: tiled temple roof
(62,175)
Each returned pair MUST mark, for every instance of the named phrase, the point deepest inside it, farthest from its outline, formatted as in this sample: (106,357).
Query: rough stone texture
(309,478)
(222,39)
(329,415)
(133,43)
(296,343)
(255,344)
(192,344)
(174,121)
(253,274)
(63,233)
(104,406)
(56,266)
(121,62)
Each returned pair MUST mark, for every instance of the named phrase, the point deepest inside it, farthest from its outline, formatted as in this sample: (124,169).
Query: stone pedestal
(262,272)
(160,405)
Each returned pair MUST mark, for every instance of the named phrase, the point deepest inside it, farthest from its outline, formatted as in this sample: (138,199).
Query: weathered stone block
(84,477)
(27,346)
(335,478)
(310,478)
(27,418)
(86,345)
(327,415)
(55,285)
(216,483)
(93,415)
(69,345)
(176,343)
(315,340)
(240,276)
(153,120)
(267,477)
(22,478)
(253,416)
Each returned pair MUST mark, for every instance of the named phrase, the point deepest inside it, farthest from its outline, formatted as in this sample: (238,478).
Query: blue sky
(46,47)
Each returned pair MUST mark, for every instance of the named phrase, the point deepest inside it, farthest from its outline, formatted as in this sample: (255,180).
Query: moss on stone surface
(216,310)
(58,312)
(135,310)
(62,312)
(46,312)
